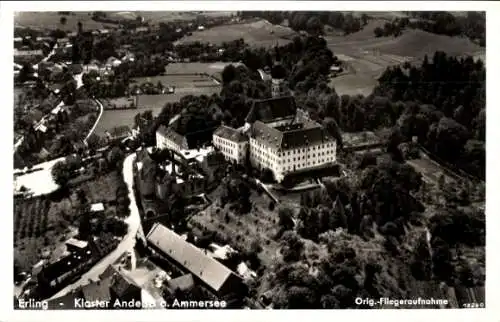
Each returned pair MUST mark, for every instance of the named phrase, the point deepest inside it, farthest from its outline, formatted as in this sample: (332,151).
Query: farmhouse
(167,138)
(216,278)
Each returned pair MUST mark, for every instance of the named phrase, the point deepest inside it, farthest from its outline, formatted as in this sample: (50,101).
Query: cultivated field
(260,33)
(182,76)
(51,20)
(366,57)
(179,81)
(41,224)
(211,69)
(167,16)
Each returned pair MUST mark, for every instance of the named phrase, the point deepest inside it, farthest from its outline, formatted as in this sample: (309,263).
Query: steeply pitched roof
(290,136)
(207,269)
(270,109)
(231,134)
(122,286)
(170,134)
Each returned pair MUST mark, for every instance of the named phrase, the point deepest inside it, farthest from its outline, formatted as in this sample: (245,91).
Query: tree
(285,215)
(61,173)
(267,176)
(333,129)
(115,155)
(379,32)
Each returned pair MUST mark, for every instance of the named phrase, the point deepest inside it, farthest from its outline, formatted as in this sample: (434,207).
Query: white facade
(234,151)
(162,142)
(282,162)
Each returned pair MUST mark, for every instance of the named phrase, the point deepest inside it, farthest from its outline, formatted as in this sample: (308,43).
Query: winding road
(127,243)
(101,110)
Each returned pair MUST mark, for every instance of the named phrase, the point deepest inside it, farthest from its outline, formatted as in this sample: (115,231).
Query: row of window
(290,159)
(308,164)
(303,150)
(224,142)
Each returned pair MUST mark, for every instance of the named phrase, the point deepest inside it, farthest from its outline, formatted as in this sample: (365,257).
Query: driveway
(127,243)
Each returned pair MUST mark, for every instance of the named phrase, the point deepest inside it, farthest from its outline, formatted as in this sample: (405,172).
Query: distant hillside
(417,43)
(258,33)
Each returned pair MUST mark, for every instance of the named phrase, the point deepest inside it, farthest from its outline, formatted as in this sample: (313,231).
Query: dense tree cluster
(237,192)
(447,112)
(380,194)
(63,171)
(471,25)
(100,88)
(327,282)
(313,22)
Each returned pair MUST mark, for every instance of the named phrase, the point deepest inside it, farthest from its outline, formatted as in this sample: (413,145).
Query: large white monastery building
(277,136)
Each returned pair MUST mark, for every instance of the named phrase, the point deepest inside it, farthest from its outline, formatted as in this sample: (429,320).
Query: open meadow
(187,78)
(155,103)
(260,33)
(366,56)
(52,20)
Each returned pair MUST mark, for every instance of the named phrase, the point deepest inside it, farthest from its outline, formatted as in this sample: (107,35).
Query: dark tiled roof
(122,286)
(194,260)
(173,136)
(231,134)
(97,290)
(64,265)
(270,109)
(290,137)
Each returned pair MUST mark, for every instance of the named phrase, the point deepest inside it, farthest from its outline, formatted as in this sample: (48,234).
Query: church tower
(279,85)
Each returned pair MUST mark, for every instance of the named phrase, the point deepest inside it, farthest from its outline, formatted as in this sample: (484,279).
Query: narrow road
(101,108)
(127,243)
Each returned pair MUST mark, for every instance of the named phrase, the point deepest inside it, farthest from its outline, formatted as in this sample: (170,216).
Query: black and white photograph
(250,160)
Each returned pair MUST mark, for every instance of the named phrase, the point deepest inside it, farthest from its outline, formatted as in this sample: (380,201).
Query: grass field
(241,230)
(51,20)
(184,85)
(367,57)
(179,81)
(260,33)
(41,224)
